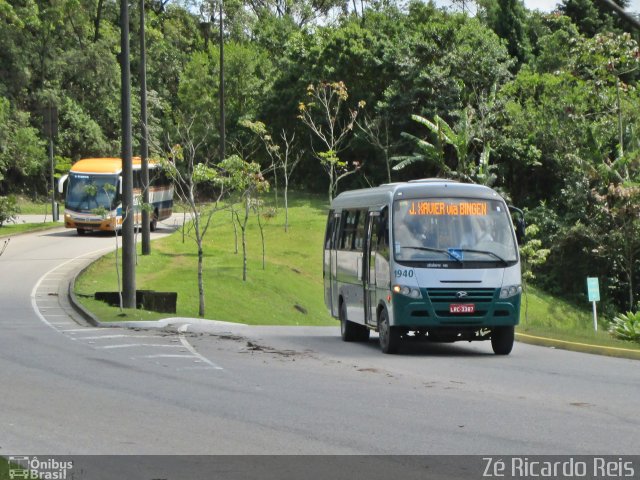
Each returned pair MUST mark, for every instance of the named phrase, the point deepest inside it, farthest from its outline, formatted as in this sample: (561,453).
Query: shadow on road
(414,348)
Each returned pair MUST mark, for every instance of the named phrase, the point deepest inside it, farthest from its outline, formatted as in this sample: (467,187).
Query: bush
(626,326)
(8,209)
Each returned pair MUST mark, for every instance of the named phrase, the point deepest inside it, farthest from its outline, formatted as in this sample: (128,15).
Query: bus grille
(441,298)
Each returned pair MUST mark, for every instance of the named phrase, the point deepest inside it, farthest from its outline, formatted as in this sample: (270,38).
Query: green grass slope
(288,291)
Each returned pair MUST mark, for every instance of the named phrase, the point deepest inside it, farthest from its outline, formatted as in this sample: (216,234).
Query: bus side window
(358,243)
(161,178)
(137,183)
(348,230)
(383,234)
(332,223)
(157,177)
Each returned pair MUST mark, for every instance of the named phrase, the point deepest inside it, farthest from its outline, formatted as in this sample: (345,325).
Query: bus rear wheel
(349,331)
(389,336)
(502,339)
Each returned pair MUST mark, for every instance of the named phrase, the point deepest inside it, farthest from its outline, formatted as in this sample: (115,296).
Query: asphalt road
(194,388)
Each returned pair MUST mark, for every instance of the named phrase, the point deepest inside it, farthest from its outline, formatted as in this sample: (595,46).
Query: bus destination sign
(444,208)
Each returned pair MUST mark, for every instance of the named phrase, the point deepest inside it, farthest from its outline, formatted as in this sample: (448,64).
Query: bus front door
(333,265)
(369,269)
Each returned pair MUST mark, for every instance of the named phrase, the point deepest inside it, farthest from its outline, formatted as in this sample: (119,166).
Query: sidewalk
(39,218)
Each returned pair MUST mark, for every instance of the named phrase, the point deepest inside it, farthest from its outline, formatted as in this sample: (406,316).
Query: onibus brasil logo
(32,468)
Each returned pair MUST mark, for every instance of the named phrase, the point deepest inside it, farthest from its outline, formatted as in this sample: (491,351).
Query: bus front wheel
(389,336)
(502,340)
(349,331)
(81,231)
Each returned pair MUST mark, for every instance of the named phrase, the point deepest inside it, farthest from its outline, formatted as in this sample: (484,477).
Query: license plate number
(462,308)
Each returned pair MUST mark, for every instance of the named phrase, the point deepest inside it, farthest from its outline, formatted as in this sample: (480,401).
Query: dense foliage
(541,106)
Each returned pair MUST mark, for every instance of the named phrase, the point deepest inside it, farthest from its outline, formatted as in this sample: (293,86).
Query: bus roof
(104,165)
(429,187)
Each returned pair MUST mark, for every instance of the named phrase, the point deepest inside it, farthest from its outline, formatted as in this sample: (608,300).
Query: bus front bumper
(425,314)
(92,223)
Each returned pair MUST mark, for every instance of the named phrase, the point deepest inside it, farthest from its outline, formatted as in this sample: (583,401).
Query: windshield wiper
(431,249)
(486,252)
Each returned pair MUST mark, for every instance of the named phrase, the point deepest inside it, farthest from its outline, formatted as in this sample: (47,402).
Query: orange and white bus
(92,206)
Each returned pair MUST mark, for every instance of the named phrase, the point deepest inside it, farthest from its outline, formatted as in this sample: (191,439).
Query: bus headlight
(410,292)
(511,291)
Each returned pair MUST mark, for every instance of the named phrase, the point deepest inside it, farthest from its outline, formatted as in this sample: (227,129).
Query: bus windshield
(88,192)
(453,230)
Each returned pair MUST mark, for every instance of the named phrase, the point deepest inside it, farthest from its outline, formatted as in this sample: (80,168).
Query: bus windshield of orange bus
(88,192)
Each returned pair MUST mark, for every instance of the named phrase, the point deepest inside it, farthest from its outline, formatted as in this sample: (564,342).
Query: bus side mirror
(61,183)
(120,185)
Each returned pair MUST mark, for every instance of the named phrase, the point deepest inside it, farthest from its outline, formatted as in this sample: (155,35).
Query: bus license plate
(462,308)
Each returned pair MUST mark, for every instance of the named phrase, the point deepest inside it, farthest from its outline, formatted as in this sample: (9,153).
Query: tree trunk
(620,129)
(200,279)
(96,22)
(275,181)
(331,175)
(244,240)
(201,306)
(235,232)
(630,273)
(261,238)
(286,203)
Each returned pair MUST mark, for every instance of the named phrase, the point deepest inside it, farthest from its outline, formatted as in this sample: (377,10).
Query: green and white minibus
(432,259)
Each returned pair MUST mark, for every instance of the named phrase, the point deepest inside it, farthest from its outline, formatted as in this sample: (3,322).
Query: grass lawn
(289,291)
(9,229)
(37,207)
(549,316)
(30,207)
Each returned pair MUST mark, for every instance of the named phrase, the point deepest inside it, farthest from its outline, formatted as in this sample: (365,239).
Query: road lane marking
(34,291)
(181,331)
(159,355)
(88,329)
(104,337)
(132,345)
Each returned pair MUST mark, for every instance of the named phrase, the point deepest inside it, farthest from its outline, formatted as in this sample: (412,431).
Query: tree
(248,76)
(284,155)
(465,147)
(508,20)
(377,131)
(327,121)
(607,60)
(22,152)
(617,231)
(532,255)
(591,16)
(9,209)
(303,12)
(188,176)
(246,178)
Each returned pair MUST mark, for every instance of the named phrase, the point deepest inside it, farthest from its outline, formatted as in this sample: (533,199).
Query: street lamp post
(144,147)
(222,120)
(128,239)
